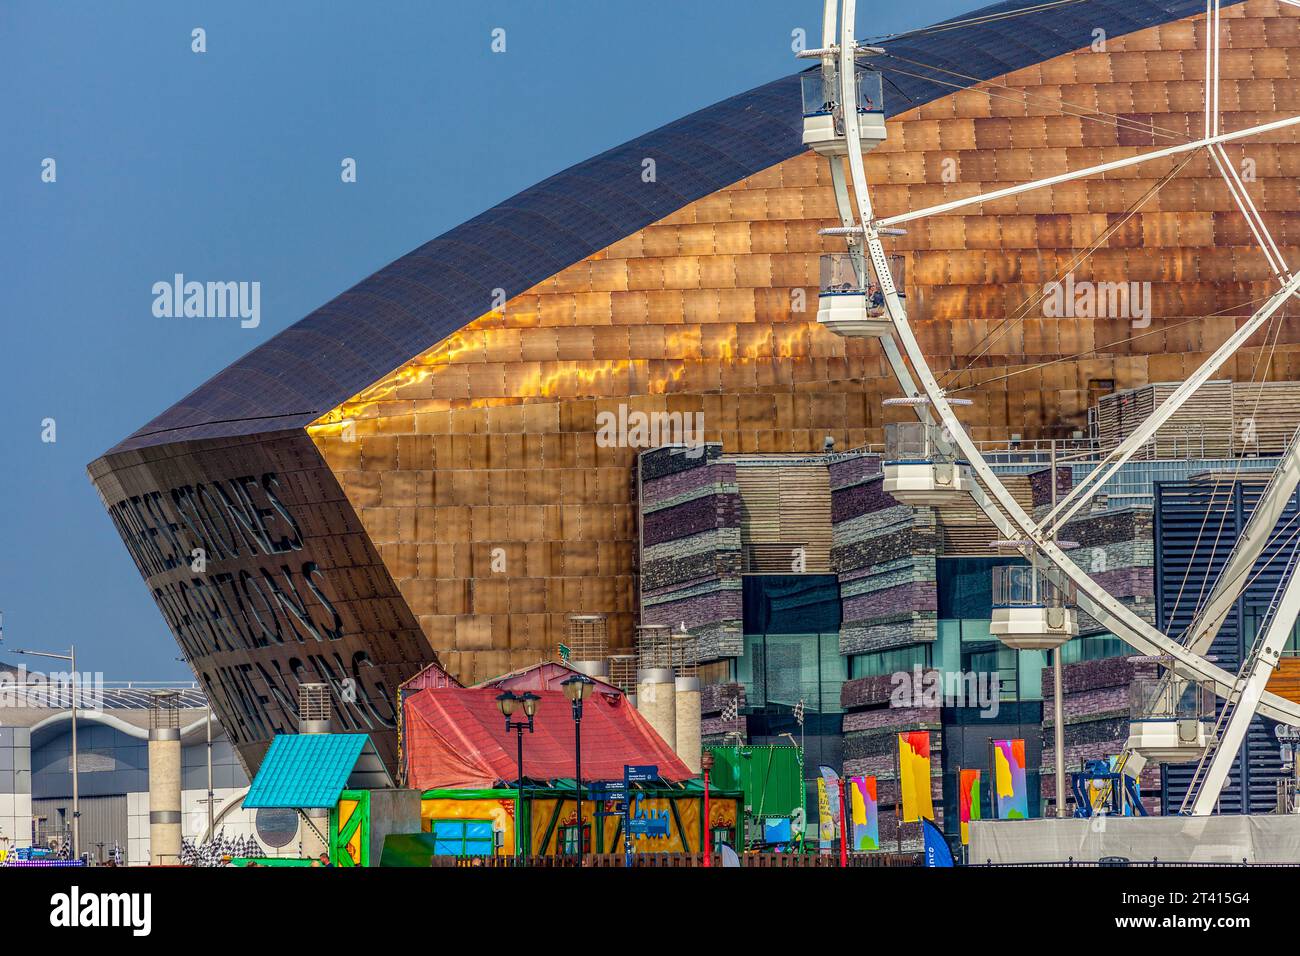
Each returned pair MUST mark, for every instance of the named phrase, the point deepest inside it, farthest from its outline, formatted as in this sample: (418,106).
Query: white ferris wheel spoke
(1088,171)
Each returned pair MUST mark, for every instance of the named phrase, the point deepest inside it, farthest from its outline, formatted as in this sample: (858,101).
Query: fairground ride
(935,461)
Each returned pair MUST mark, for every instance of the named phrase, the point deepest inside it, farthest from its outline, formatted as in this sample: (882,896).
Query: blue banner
(936,847)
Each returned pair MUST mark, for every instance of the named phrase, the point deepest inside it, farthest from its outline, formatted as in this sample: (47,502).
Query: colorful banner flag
(914,775)
(833,784)
(825,825)
(1009,779)
(970,802)
(866,819)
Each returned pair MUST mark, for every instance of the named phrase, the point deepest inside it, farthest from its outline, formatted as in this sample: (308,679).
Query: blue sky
(226,165)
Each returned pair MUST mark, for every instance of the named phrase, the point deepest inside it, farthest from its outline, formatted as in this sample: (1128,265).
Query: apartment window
(792,642)
(1094,647)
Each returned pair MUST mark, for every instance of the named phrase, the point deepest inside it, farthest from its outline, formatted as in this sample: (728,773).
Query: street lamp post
(576,688)
(507,701)
(71,658)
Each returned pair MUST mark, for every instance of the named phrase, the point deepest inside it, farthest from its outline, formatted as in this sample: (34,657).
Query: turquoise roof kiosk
(343,775)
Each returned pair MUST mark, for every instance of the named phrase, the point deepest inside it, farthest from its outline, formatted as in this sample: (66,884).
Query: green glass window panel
(964,586)
(791,603)
(892,661)
(1030,674)
(751,671)
(833,669)
(782,669)
(1251,620)
(993,658)
(947,648)
(791,669)
(1094,647)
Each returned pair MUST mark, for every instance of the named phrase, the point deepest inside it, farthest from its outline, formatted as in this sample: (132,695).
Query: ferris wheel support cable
(1093,598)
(1235,575)
(1237,189)
(1100,348)
(979,21)
(892,355)
(1022,310)
(1213,116)
(1076,498)
(1240,707)
(1214,127)
(844,206)
(973,84)
(1087,171)
(1262,360)
(1209,69)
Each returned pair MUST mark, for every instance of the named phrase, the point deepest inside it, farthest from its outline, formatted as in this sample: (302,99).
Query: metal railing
(56,694)
(686,860)
(1124,861)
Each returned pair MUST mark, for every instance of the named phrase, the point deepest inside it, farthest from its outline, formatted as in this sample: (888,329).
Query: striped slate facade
(884,555)
(690,546)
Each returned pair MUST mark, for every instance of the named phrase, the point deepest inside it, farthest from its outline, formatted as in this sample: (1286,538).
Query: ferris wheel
(934,460)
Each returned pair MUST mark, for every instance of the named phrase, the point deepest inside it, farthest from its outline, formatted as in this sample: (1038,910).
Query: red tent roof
(456,738)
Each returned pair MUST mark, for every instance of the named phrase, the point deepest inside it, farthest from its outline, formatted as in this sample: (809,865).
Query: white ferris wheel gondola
(1034,608)
(823,103)
(1171,720)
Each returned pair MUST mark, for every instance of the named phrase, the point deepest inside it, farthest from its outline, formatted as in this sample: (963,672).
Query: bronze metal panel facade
(712,311)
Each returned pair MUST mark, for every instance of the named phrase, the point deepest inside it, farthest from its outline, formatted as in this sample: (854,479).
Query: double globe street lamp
(509,702)
(577,688)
